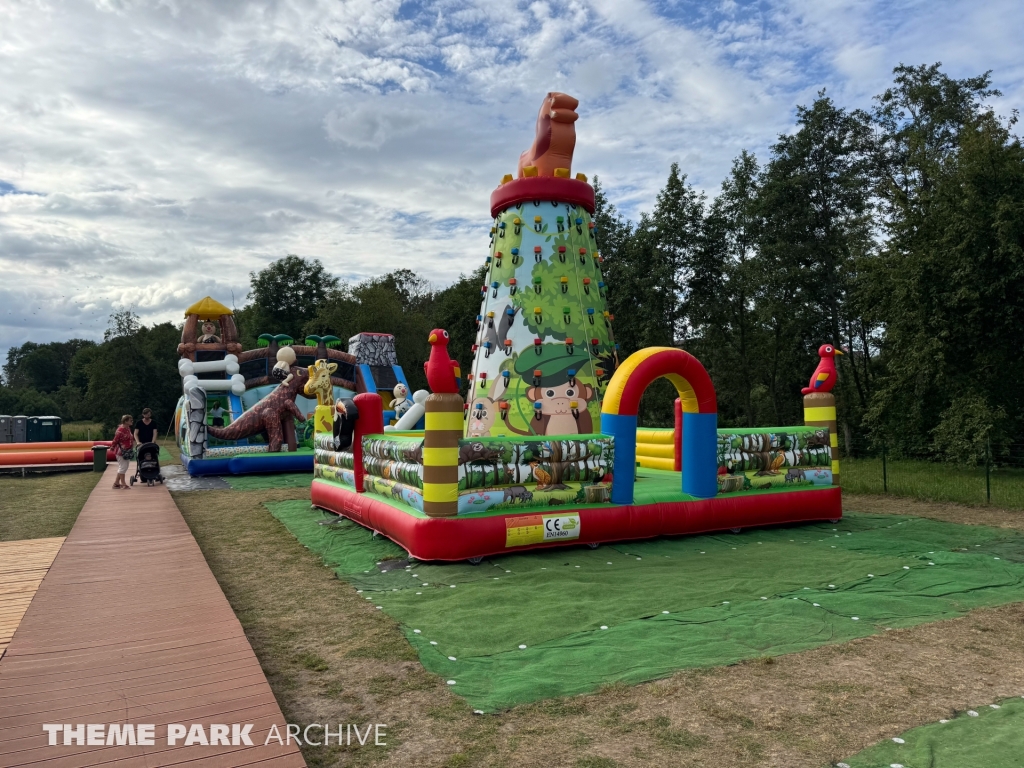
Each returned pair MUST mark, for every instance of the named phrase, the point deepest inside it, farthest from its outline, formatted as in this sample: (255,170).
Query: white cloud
(174,146)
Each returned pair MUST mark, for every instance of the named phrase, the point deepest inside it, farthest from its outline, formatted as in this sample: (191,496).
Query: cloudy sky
(156,151)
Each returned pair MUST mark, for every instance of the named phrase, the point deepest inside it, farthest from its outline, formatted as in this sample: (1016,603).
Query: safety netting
(559,622)
(990,736)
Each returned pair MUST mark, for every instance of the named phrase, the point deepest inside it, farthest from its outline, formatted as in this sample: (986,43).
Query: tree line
(895,232)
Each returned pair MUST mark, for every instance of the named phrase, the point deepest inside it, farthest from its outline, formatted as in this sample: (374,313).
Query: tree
(284,297)
(723,282)
(678,221)
(948,281)
(815,231)
(398,303)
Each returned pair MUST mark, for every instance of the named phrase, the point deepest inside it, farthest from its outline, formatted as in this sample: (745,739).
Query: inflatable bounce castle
(250,411)
(545,450)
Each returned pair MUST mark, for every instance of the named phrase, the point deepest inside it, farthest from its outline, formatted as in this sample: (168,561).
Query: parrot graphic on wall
(824,376)
(443,373)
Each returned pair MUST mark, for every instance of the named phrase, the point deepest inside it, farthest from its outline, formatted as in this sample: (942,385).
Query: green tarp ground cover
(559,622)
(988,737)
(268,482)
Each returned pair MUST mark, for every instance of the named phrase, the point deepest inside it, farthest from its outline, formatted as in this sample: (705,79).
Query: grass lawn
(47,504)
(42,505)
(934,481)
(331,656)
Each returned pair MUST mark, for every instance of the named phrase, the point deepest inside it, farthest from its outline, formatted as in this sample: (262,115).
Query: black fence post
(988,464)
(885,474)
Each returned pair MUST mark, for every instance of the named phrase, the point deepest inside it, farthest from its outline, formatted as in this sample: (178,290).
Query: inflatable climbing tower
(544,351)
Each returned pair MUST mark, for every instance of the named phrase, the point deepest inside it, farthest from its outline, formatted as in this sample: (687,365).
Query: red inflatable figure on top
(443,373)
(824,376)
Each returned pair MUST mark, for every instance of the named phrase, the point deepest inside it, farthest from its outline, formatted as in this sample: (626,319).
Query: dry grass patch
(332,657)
(936,510)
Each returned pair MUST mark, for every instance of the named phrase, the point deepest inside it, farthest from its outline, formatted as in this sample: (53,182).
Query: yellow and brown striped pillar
(820,411)
(443,429)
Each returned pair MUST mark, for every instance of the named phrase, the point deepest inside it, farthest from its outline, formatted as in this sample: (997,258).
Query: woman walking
(123,443)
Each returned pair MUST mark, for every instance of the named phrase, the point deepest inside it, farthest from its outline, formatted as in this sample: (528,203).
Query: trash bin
(5,430)
(19,429)
(99,458)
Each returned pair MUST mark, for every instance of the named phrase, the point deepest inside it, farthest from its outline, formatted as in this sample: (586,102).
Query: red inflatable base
(461,538)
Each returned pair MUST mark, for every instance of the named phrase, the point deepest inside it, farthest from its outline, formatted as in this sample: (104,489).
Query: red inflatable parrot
(824,376)
(443,373)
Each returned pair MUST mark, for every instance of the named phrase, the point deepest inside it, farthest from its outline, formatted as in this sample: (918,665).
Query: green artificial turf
(558,622)
(990,736)
(265,482)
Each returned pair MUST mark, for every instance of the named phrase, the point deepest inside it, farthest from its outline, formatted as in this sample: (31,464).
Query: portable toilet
(49,429)
(32,430)
(19,429)
(5,430)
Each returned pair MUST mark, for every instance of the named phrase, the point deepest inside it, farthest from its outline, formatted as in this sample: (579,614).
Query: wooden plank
(23,564)
(127,625)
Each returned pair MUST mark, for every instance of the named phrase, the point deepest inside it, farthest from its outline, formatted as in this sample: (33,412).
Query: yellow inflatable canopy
(208,309)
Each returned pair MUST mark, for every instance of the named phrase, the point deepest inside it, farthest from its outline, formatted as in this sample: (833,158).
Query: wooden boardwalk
(130,626)
(22,567)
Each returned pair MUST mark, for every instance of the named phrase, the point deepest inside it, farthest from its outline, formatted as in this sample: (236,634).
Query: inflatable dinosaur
(272,416)
(555,140)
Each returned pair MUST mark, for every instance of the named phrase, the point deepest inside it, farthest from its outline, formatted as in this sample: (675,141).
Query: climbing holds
(537,346)
(571,373)
(537,314)
(565,283)
(494,292)
(583,255)
(586,285)
(501,229)
(503,409)
(536,284)
(515,255)
(560,221)
(508,347)
(579,226)
(512,286)
(537,374)
(537,409)
(537,223)
(537,253)
(567,314)
(561,253)
(590,315)
(517,225)
(569,346)
(490,318)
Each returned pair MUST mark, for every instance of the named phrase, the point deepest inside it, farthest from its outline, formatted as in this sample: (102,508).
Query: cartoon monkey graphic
(562,397)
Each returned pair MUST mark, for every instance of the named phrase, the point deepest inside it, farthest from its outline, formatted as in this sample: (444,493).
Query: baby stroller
(147,465)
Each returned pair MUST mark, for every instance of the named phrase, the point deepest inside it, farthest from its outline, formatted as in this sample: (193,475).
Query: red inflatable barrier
(460,538)
(75,445)
(28,458)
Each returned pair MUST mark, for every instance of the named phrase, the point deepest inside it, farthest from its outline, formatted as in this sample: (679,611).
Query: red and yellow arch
(635,374)
(700,418)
